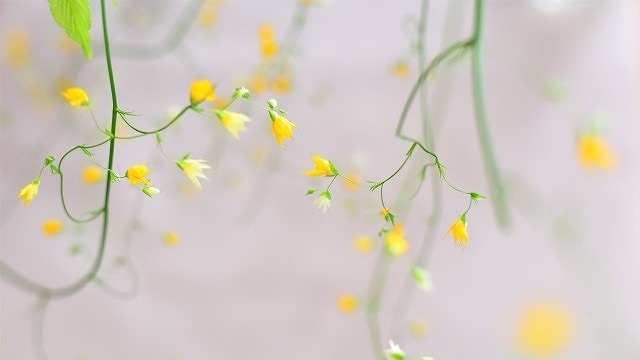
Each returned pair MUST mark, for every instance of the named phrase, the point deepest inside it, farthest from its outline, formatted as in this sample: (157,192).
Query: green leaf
(475,196)
(311,191)
(158,138)
(74,16)
(109,133)
(86,151)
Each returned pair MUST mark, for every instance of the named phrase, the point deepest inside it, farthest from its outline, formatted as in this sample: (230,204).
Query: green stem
(144,132)
(489,156)
(51,293)
(374,298)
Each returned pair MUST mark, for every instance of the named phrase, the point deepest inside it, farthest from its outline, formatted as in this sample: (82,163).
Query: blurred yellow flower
(232,121)
(269,48)
(258,84)
(202,90)
(395,242)
(595,152)
(77,97)
(138,174)
(266,33)
(459,232)
(352,181)
(324,167)
(29,192)
(282,84)
(347,303)
(92,174)
(193,169)
(172,239)
(282,127)
(419,328)
(18,48)
(400,69)
(51,227)
(544,330)
(363,244)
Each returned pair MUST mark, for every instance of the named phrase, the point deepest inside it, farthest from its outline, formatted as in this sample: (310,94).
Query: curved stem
(489,156)
(151,132)
(44,291)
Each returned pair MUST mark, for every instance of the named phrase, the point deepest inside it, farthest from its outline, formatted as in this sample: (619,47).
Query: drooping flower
(324,167)
(77,97)
(545,329)
(595,152)
(282,127)
(150,190)
(323,201)
(137,174)
(347,303)
(459,232)
(51,227)
(193,169)
(202,90)
(172,239)
(30,191)
(232,121)
(395,242)
(92,174)
(394,352)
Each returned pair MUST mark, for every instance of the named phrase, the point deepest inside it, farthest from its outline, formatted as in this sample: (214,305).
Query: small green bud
(150,190)
(475,196)
(242,92)
(311,191)
(49,160)
(273,104)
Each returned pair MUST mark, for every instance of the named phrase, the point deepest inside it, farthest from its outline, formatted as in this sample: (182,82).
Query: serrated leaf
(74,16)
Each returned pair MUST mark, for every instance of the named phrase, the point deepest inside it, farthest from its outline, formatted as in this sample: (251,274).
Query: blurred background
(248,266)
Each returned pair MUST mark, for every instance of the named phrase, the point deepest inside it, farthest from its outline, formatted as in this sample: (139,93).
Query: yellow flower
(282,127)
(202,90)
(544,330)
(92,174)
(266,33)
(30,191)
(419,328)
(459,232)
(51,227)
(324,167)
(400,69)
(347,303)
(138,174)
(363,244)
(18,48)
(258,84)
(172,239)
(352,182)
(269,48)
(282,84)
(232,121)
(395,242)
(193,169)
(594,152)
(77,97)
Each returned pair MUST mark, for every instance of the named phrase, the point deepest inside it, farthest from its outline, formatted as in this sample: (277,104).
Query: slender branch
(47,292)
(489,155)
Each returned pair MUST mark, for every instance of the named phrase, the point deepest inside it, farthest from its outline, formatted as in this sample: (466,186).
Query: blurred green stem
(495,179)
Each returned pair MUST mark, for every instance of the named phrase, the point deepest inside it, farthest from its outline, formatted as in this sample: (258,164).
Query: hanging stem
(489,155)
